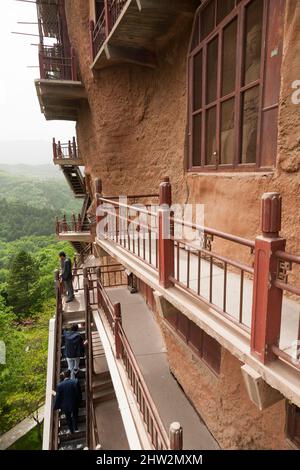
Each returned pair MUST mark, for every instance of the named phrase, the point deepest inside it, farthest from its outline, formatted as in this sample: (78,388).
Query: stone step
(81,417)
(76,444)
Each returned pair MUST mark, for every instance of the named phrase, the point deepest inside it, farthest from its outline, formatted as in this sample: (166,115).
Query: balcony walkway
(290,308)
(148,346)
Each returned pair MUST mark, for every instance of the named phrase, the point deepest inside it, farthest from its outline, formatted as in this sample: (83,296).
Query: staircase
(76,441)
(75,180)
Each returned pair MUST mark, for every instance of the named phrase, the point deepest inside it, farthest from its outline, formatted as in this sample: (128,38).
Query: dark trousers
(69,289)
(72,419)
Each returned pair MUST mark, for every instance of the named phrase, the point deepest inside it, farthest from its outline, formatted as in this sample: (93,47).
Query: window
(234,62)
(293,424)
(206,347)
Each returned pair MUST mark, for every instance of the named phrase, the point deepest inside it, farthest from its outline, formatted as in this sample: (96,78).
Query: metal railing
(288,273)
(65,151)
(209,275)
(57,359)
(54,65)
(133,226)
(112,9)
(77,225)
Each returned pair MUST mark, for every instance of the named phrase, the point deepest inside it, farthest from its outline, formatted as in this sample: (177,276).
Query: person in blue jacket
(74,349)
(67,399)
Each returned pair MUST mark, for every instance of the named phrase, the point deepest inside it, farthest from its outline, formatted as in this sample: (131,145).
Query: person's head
(62,255)
(74,327)
(66,374)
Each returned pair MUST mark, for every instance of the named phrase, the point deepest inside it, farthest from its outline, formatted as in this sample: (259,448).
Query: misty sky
(25,135)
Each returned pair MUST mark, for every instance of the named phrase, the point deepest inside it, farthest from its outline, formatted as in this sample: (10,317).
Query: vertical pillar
(165,233)
(59,152)
(74,148)
(267,299)
(117,325)
(92,50)
(70,149)
(65,225)
(73,65)
(42,62)
(97,202)
(54,149)
(176,436)
(107,18)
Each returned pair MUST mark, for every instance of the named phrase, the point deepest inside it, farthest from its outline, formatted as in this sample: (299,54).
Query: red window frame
(272,33)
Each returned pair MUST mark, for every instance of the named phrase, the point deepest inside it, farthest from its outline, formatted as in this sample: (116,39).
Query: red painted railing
(65,151)
(76,225)
(245,287)
(153,424)
(54,65)
(105,23)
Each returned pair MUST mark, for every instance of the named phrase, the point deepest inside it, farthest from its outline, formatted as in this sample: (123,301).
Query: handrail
(154,425)
(58,331)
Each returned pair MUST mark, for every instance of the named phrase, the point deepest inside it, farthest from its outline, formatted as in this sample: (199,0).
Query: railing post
(70,149)
(176,436)
(98,194)
(42,62)
(57,226)
(79,228)
(267,298)
(73,65)
(165,233)
(107,17)
(74,147)
(118,323)
(65,225)
(54,149)
(59,151)
(74,223)
(92,50)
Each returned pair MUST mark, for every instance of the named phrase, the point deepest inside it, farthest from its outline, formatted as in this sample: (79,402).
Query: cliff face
(134,131)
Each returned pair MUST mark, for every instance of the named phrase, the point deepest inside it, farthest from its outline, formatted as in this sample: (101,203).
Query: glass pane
(254,20)
(224,8)
(197,140)
(210,156)
(212,71)
(250,121)
(229,58)
(227,132)
(197,81)
(207,22)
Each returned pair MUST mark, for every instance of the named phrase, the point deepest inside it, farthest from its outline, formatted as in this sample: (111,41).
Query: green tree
(21,284)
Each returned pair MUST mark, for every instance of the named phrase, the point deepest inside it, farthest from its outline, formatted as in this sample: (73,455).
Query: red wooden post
(118,323)
(267,299)
(74,76)
(74,148)
(176,436)
(65,225)
(59,151)
(42,62)
(74,223)
(70,149)
(107,17)
(98,194)
(92,50)
(79,223)
(54,149)
(166,232)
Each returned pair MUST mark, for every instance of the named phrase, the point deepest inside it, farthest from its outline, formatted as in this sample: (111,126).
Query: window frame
(238,12)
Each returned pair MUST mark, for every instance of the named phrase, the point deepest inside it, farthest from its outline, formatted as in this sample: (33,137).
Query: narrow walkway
(148,346)
(20,430)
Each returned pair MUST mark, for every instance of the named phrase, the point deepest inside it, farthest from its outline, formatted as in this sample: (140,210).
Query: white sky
(20,117)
